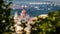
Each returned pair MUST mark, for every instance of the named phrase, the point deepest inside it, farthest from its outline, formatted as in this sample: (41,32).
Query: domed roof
(23,11)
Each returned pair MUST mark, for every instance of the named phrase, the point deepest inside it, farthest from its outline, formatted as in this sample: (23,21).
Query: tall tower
(24,16)
(20,21)
(15,17)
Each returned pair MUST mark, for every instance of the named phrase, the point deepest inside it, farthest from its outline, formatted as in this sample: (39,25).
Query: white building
(22,18)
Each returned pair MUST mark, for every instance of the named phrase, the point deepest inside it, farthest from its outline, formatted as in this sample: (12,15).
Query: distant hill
(30,4)
(36,9)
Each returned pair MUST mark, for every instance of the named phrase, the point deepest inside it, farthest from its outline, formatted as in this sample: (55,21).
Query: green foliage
(5,19)
(49,25)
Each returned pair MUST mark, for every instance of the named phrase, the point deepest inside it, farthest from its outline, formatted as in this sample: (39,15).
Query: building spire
(16,15)
(23,12)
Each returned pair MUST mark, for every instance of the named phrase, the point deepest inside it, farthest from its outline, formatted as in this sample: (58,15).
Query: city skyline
(27,1)
(35,0)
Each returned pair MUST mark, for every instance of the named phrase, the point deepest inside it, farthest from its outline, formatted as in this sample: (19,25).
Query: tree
(48,25)
(5,18)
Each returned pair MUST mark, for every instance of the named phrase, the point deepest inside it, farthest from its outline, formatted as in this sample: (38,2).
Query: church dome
(23,11)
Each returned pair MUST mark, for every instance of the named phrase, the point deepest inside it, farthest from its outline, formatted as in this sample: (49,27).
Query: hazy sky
(34,0)
(26,1)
